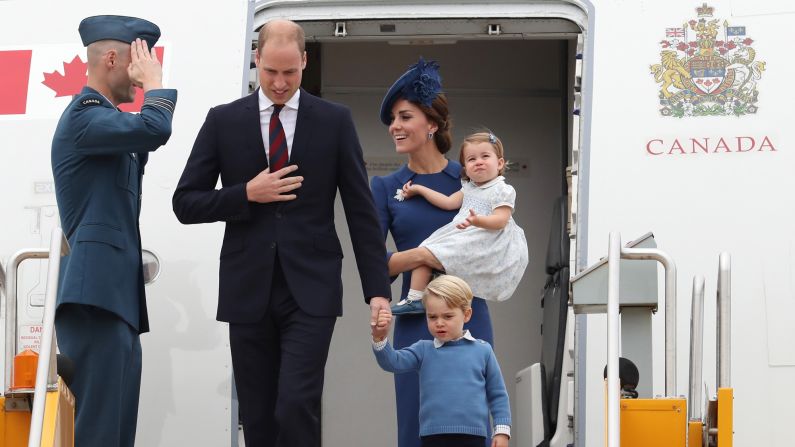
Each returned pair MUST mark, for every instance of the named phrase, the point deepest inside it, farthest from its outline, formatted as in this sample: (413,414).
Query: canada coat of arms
(707,68)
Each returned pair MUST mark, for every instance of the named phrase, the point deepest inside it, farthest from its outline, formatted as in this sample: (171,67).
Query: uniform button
(278,215)
(273,244)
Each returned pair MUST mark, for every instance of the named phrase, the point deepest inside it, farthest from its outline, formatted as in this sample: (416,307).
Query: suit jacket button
(273,244)
(278,215)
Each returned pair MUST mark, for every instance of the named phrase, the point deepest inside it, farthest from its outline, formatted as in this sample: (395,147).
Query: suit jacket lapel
(303,127)
(250,124)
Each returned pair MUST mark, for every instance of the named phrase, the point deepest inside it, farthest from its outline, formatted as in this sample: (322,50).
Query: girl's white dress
(492,262)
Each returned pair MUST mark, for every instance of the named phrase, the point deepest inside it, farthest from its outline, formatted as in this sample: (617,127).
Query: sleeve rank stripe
(163,101)
(159,102)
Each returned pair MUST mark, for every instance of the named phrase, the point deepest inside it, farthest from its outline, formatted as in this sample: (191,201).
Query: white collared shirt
(288,117)
(439,343)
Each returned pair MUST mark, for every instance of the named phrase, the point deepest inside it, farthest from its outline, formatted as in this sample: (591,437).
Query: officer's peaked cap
(122,28)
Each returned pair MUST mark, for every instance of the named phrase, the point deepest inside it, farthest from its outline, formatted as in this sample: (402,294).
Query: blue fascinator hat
(420,84)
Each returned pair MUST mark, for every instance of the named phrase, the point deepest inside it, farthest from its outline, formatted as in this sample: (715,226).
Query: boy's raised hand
(381,327)
(499,441)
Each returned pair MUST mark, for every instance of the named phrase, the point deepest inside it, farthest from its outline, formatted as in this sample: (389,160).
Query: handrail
(724,321)
(11,306)
(670,308)
(614,256)
(2,278)
(613,335)
(45,370)
(696,348)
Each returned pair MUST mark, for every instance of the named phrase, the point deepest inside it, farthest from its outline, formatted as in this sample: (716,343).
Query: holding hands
(499,441)
(380,328)
(144,70)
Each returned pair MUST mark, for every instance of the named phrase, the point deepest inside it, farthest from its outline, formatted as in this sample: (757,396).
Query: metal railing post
(696,348)
(670,308)
(613,336)
(45,370)
(11,306)
(724,321)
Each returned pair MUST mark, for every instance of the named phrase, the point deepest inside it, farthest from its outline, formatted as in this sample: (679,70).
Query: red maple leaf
(71,82)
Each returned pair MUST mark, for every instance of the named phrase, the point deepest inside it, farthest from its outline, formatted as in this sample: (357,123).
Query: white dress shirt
(288,117)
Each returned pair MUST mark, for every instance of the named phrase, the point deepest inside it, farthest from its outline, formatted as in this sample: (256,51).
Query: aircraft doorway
(521,86)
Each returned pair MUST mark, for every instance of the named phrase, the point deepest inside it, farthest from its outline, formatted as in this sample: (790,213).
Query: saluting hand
(270,186)
(144,70)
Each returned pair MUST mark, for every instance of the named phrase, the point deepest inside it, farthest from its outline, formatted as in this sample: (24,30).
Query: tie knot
(277,108)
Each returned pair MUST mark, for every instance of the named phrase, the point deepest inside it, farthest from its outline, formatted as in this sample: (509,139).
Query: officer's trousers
(106,352)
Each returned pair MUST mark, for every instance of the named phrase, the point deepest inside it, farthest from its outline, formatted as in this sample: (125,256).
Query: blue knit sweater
(460,383)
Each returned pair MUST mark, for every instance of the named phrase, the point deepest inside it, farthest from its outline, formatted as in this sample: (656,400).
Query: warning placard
(29,337)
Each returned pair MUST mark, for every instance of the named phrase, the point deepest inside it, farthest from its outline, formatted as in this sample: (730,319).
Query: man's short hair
(296,35)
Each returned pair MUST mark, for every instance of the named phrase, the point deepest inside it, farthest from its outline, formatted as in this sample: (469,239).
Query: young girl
(460,379)
(482,244)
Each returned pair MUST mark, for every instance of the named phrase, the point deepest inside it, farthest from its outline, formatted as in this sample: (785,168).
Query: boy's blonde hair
(454,291)
(481,137)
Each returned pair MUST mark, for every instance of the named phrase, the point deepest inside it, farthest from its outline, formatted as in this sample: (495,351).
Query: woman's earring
(430,135)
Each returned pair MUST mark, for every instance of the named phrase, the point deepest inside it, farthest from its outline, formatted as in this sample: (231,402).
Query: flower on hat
(426,85)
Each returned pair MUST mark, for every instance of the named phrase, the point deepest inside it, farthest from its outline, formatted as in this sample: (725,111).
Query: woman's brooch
(399,196)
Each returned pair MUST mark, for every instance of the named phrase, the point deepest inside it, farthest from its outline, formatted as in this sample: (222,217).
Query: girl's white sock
(414,295)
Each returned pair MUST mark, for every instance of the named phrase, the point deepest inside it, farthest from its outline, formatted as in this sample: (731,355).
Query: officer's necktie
(277,151)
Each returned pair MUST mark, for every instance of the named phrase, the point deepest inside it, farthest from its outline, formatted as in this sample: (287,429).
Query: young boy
(460,380)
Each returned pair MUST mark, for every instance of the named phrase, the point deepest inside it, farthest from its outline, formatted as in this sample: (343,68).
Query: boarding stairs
(624,283)
(36,406)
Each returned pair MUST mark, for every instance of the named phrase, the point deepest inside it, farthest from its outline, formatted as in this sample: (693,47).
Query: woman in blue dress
(415,109)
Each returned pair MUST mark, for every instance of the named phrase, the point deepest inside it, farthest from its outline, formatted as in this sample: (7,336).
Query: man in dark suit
(98,158)
(282,154)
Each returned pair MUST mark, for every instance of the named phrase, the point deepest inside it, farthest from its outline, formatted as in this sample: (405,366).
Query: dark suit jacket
(98,158)
(300,232)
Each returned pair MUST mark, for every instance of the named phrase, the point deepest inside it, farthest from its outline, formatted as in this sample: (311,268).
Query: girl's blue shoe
(406,307)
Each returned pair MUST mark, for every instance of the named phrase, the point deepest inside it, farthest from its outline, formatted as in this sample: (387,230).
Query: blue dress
(410,223)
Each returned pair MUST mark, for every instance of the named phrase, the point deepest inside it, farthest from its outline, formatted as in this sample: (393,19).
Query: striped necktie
(277,150)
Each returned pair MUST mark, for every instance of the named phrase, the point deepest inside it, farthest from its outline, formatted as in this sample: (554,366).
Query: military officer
(98,159)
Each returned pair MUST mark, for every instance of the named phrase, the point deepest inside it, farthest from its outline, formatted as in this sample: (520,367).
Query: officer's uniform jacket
(98,159)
